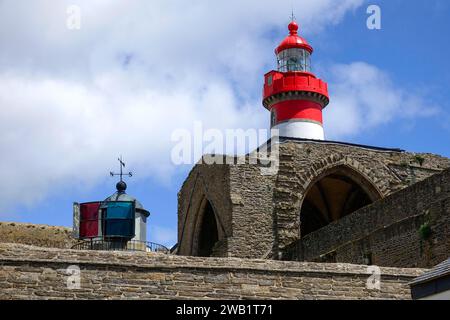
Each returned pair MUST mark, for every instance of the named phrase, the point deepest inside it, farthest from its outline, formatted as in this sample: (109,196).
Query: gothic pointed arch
(206,232)
(334,193)
(319,168)
(201,224)
(291,200)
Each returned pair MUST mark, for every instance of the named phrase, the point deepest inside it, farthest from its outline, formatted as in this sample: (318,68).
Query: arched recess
(335,193)
(206,231)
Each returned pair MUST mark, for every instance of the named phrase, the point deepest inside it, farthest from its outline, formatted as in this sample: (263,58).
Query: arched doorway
(208,235)
(335,194)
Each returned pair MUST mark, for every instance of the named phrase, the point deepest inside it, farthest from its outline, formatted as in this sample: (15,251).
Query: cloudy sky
(72,100)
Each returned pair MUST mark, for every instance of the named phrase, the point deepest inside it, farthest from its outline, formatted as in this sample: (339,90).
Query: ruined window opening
(208,232)
(335,195)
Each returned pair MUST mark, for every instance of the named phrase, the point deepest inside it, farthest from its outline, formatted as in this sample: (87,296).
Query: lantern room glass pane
(89,218)
(119,219)
(294,59)
(120,210)
(119,228)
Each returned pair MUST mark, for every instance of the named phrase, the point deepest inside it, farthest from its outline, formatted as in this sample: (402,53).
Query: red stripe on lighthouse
(297,109)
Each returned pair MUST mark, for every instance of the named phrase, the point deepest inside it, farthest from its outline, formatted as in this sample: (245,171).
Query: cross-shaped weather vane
(122,165)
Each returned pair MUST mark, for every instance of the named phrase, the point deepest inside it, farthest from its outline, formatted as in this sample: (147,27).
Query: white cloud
(71,101)
(363,97)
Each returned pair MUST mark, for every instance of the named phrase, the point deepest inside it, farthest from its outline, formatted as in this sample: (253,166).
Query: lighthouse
(294,96)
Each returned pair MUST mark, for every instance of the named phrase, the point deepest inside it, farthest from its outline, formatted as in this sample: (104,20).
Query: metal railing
(119,245)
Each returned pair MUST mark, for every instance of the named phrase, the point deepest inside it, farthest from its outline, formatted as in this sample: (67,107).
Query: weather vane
(122,165)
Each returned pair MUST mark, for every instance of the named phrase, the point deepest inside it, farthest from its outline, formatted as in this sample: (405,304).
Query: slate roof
(438,271)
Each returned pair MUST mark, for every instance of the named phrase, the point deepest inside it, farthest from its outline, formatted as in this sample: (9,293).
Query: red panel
(89,229)
(298,109)
(292,81)
(89,219)
(89,211)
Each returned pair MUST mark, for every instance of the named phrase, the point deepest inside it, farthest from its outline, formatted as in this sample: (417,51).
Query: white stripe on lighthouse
(300,129)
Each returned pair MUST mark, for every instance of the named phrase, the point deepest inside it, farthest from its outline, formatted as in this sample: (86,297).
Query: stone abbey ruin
(334,221)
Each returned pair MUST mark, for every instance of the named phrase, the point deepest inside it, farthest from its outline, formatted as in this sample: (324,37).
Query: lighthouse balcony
(276,82)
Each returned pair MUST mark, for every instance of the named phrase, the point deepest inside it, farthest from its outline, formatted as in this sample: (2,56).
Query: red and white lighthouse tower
(294,96)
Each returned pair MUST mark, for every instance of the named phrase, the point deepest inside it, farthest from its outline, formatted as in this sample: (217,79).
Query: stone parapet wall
(28,272)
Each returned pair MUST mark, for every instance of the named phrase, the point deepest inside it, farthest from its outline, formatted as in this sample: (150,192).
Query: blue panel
(120,210)
(119,219)
(119,228)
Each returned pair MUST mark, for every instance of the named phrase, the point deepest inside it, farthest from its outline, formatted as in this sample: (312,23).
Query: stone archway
(290,191)
(197,194)
(206,232)
(335,193)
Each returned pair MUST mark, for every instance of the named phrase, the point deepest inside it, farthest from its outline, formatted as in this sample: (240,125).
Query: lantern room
(294,59)
(294,52)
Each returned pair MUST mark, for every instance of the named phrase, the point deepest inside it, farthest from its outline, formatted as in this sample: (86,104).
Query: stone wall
(252,206)
(36,234)
(302,164)
(259,215)
(28,272)
(242,202)
(205,183)
(387,233)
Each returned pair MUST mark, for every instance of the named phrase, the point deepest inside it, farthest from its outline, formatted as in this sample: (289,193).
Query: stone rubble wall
(301,164)
(205,182)
(388,230)
(28,272)
(259,215)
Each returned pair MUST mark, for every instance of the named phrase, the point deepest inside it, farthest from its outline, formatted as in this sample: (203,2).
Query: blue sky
(72,101)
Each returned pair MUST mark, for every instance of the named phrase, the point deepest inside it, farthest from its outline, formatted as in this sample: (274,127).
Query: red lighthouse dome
(293,40)
(294,96)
